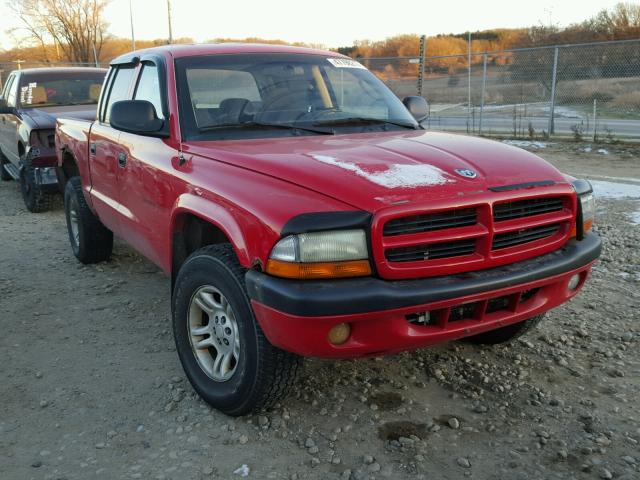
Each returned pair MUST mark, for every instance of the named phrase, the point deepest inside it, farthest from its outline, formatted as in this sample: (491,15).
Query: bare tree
(76,26)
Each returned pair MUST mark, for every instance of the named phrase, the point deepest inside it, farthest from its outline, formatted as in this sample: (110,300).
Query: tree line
(56,31)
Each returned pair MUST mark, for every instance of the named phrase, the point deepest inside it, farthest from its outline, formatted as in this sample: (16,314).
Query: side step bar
(12,170)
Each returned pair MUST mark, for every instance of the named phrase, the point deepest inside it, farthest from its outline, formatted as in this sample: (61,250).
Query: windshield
(258,96)
(48,89)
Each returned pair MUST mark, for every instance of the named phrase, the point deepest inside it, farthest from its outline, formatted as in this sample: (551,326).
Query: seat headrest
(94,91)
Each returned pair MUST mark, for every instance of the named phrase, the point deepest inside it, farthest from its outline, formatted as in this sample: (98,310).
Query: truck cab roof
(190,50)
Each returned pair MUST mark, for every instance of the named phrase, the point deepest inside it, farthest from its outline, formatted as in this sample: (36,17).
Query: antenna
(169,19)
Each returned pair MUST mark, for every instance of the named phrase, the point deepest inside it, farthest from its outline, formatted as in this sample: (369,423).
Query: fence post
(423,59)
(554,78)
(484,85)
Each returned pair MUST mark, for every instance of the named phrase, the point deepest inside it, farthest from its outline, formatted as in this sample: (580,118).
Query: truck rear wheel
(90,240)
(34,197)
(505,334)
(221,346)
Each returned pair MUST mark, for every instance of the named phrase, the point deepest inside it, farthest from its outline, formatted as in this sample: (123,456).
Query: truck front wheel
(34,197)
(90,240)
(505,334)
(221,346)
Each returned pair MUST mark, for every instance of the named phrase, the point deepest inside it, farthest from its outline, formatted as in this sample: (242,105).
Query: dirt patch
(397,430)
(92,387)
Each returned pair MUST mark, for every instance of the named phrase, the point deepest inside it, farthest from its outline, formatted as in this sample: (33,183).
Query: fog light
(339,333)
(574,282)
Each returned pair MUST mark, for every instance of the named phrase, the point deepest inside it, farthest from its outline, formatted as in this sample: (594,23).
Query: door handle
(92,148)
(122,159)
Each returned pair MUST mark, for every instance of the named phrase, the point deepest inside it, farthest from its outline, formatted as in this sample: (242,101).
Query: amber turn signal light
(305,271)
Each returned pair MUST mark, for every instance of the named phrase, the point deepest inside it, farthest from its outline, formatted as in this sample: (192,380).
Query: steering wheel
(277,104)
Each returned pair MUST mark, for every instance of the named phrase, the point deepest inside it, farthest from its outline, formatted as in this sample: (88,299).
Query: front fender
(248,236)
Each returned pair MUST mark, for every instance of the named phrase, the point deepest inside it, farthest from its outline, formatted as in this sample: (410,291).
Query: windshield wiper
(362,121)
(284,126)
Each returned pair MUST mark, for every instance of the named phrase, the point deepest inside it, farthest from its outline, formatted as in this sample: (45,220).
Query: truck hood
(46,117)
(373,170)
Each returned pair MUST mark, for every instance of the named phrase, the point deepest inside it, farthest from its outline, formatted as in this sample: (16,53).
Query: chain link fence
(586,91)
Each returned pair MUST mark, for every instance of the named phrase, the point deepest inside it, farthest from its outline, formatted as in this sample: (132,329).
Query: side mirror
(417,107)
(4,108)
(137,116)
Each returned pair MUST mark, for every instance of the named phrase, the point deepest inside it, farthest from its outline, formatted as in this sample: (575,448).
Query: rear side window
(149,88)
(119,88)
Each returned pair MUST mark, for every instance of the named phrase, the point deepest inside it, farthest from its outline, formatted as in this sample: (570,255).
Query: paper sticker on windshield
(26,93)
(345,63)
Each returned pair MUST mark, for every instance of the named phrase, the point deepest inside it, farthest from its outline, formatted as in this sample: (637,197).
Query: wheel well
(69,168)
(192,233)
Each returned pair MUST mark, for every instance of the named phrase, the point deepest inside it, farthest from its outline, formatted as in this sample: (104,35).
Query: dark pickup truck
(31,101)
(301,209)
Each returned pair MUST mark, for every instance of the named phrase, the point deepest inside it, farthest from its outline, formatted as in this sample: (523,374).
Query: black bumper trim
(361,295)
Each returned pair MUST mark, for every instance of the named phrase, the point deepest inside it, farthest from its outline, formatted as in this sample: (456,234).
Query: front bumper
(297,315)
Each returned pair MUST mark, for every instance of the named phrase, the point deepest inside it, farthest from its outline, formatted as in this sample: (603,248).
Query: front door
(105,153)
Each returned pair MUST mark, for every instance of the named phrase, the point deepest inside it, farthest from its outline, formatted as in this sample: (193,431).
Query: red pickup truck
(301,210)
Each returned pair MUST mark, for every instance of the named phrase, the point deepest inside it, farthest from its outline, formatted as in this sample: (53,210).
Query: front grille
(461,217)
(433,251)
(518,237)
(470,233)
(526,208)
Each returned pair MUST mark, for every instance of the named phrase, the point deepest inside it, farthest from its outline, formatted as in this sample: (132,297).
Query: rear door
(105,154)
(145,181)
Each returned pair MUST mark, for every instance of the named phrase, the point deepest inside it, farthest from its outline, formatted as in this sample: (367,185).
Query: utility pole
(133,38)
(469,82)
(19,63)
(169,18)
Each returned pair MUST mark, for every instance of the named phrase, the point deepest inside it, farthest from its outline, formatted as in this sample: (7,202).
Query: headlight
(587,207)
(334,254)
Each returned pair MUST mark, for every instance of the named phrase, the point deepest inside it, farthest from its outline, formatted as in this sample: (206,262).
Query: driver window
(11,93)
(7,86)
(149,88)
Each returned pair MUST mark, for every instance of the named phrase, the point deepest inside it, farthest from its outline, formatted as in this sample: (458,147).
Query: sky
(332,23)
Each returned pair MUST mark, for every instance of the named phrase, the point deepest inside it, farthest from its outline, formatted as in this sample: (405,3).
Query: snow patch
(397,176)
(614,190)
(603,151)
(525,143)
(634,217)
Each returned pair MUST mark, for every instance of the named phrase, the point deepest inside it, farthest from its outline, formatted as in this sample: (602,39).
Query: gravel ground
(91,386)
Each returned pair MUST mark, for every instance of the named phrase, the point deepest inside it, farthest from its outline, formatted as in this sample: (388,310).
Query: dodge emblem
(466,173)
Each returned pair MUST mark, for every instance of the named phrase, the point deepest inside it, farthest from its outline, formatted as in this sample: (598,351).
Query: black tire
(34,197)
(263,373)
(4,175)
(505,334)
(92,242)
